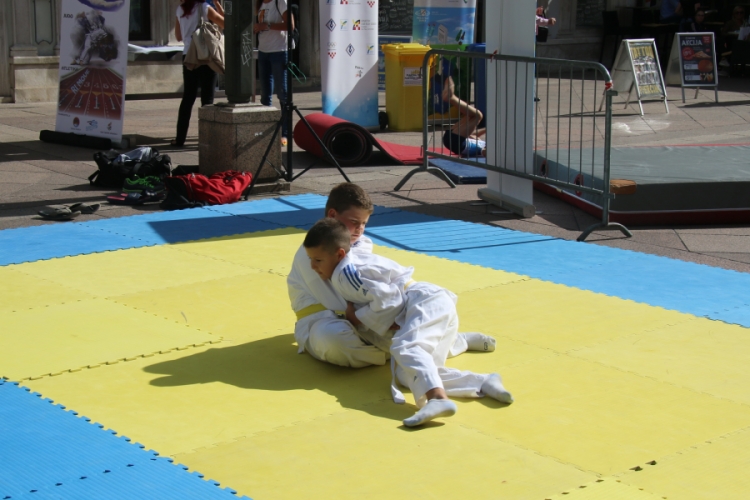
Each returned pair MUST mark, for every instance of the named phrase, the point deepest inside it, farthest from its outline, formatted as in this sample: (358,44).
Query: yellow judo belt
(316,308)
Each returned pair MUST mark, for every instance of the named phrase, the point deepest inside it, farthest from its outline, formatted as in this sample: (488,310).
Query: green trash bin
(403,85)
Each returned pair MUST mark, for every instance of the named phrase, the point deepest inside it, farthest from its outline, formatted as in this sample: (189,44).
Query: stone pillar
(235,137)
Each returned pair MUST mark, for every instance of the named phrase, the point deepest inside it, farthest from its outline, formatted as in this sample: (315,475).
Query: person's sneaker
(140,185)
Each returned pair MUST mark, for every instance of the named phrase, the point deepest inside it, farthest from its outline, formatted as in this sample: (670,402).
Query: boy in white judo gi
(319,330)
(424,315)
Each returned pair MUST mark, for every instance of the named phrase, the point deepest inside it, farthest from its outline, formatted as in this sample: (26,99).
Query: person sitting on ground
(462,138)
(319,331)
(381,295)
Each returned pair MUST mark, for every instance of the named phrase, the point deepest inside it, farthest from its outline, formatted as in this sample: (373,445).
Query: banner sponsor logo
(371,50)
(358,71)
(370,3)
(355,25)
(331,25)
(367,25)
(344,25)
(350,49)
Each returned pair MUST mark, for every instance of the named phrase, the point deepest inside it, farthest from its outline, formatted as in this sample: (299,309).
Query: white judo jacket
(305,289)
(376,285)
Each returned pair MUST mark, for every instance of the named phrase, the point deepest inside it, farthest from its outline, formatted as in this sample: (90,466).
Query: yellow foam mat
(703,355)
(108,274)
(601,384)
(20,291)
(54,339)
(184,400)
(237,307)
(266,250)
(600,418)
(359,455)
(558,317)
(606,489)
(717,468)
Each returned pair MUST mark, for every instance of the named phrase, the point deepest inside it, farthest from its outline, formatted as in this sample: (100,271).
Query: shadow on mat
(272,364)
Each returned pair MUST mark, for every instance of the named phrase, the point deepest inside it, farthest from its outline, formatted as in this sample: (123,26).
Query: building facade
(30,38)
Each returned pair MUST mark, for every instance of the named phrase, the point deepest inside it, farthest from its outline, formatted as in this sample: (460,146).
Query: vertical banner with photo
(349,60)
(444,22)
(93,63)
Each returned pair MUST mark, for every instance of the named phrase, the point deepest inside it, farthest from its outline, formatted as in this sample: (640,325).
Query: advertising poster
(444,22)
(697,59)
(349,60)
(93,63)
(646,69)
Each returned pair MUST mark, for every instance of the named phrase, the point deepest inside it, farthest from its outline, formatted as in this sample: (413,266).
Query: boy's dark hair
(347,195)
(329,234)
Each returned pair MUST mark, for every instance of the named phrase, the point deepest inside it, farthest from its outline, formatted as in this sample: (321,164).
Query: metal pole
(239,74)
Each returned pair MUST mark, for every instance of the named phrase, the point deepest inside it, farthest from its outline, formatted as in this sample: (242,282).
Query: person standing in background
(271,29)
(189,14)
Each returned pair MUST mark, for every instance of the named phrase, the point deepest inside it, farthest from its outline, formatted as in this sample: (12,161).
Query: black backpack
(112,174)
(295,17)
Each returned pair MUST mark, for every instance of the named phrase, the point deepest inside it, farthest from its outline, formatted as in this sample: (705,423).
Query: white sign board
(637,68)
(93,64)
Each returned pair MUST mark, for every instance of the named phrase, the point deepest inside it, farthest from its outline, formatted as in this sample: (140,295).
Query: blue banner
(443,22)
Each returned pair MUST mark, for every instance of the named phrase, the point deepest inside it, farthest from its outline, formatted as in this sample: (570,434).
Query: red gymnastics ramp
(349,143)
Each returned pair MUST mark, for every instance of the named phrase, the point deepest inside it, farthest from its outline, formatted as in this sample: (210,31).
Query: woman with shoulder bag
(189,15)
(272,55)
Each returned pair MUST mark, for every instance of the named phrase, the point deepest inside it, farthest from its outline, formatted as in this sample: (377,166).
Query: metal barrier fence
(541,114)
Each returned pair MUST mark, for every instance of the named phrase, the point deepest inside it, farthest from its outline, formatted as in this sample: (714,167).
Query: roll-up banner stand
(349,60)
(692,63)
(93,64)
(444,22)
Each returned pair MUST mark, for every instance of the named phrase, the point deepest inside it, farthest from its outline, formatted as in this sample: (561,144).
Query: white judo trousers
(383,293)
(429,328)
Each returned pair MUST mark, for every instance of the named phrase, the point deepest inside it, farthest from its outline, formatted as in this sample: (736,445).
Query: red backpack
(197,189)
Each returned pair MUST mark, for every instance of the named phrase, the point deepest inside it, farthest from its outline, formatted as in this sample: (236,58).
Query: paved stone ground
(34,174)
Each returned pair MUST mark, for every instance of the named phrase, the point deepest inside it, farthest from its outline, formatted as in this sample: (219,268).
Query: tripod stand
(288,108)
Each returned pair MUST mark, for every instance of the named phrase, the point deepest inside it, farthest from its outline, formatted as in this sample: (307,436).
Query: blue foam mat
(28,244)
(461,173)
(56,454)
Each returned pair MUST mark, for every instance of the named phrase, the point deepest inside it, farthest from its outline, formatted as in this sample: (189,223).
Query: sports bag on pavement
(185,191)
(114,167)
